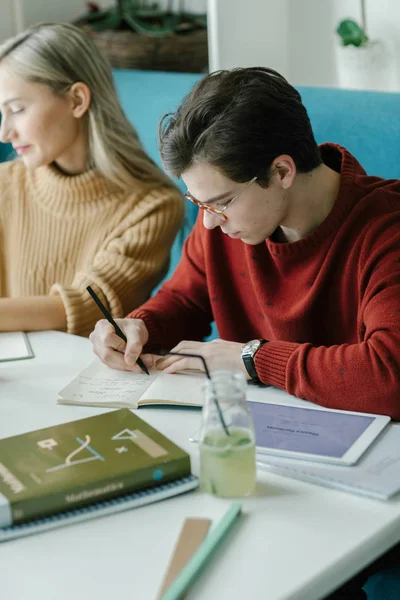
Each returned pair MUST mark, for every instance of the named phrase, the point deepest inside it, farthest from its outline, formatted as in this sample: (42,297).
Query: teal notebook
(100,509)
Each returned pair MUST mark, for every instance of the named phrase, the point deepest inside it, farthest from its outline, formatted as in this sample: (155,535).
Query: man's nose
(210,221)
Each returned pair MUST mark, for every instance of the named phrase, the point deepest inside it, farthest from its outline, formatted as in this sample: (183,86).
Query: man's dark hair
(239,121)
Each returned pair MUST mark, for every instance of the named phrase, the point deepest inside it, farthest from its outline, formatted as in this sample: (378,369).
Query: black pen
(118,330)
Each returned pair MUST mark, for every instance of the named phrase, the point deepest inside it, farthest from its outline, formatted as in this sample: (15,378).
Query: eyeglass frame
(219,212)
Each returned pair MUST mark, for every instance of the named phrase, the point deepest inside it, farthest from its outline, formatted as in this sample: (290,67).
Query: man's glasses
(219,212)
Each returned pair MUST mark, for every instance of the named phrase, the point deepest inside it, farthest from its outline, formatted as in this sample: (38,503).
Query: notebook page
(99,385)
(14,345)
(179,388)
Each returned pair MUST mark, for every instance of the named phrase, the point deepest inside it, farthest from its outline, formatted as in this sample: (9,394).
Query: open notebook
(14,345)
(98,385)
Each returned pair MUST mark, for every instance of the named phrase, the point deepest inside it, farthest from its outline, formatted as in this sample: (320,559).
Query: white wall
(7,19)
(297,37)
(311,42)
(383,23)
(35,11)
(248,33)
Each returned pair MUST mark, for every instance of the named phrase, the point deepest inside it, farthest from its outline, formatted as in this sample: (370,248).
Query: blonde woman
(84,205)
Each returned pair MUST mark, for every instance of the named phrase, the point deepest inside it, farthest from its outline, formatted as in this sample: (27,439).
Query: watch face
(255,344)
(251,347)
(248,352)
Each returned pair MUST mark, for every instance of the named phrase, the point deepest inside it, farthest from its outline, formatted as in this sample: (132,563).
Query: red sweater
(329,304)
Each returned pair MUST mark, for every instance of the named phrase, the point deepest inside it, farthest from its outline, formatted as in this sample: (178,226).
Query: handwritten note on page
(98,385)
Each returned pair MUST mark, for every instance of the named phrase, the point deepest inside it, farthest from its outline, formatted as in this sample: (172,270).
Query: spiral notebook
(100,509)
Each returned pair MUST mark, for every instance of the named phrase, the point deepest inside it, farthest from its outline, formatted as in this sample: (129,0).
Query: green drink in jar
(227,449)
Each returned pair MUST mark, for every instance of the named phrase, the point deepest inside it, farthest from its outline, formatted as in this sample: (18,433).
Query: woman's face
(42,126)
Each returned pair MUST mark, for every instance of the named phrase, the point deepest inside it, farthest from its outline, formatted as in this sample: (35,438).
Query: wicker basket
(185,52)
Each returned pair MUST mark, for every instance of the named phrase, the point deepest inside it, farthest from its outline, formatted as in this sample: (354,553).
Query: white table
(295,541)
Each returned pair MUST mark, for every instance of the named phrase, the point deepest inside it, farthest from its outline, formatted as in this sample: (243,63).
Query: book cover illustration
(60,467)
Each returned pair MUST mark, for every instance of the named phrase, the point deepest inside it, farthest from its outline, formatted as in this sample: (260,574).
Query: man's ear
(284,170)
(79,97)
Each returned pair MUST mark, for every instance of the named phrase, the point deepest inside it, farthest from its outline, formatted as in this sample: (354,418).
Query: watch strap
(248,360)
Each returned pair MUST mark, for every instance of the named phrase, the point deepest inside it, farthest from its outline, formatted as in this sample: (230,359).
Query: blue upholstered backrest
(5,152)
(367,123)
(146,97)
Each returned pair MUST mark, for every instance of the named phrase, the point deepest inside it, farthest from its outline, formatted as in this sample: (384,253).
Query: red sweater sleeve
(181,309)
(362,376)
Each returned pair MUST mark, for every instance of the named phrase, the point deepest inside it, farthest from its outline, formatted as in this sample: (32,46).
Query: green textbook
(60,468)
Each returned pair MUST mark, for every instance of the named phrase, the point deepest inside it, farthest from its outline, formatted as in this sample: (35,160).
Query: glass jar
(227,438)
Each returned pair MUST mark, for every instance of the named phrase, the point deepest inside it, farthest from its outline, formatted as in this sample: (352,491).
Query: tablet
(332,436)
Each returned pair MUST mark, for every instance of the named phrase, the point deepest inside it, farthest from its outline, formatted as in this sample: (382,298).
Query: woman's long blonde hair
(60,55)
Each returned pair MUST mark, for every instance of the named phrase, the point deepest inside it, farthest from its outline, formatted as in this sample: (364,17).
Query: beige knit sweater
(59,234)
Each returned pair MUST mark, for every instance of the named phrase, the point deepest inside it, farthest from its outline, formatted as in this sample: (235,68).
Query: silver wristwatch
(248,352)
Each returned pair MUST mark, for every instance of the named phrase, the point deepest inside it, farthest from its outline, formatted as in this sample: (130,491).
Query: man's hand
(218,354)
(113,351)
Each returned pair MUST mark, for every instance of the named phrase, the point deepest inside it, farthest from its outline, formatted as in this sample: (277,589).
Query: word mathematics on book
(67,466)
(98,385)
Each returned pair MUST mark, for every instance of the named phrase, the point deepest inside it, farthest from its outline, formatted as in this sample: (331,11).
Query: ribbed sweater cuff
(271,362)
(81,312)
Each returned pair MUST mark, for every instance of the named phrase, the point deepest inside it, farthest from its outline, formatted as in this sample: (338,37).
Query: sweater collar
(55,189)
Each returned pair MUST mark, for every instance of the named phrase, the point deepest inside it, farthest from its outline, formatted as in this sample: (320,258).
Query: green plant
(144,17)
(351,33)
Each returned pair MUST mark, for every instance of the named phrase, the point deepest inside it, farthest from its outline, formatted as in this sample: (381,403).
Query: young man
(295,255)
